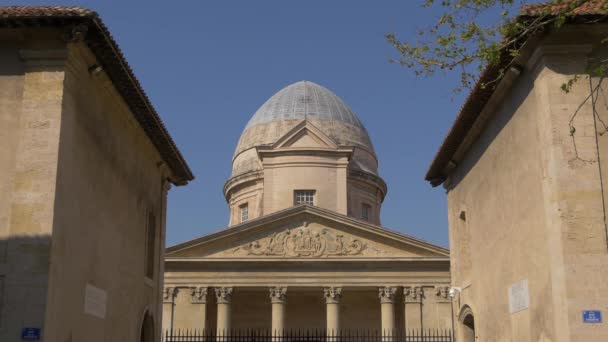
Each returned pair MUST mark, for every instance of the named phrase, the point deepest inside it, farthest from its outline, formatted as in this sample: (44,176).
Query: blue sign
(30,334)
(592,316)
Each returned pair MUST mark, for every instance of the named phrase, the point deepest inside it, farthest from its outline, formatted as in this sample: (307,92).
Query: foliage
(470,35)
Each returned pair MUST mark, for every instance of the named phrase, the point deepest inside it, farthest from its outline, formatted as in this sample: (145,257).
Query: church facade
(304,248)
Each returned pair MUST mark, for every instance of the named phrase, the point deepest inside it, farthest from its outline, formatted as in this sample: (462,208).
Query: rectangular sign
(30,334)
(519,298)
(95,301)
(592,316)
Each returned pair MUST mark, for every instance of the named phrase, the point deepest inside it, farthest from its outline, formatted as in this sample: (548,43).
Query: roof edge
(479,96)
(304,208)
(101,43)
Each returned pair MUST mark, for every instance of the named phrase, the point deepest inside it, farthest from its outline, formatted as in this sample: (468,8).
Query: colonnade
(278,299)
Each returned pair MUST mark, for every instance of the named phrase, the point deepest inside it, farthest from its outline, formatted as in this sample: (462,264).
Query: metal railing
(308,335)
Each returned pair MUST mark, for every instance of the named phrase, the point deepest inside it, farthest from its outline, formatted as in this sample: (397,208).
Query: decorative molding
(199,295)
(278,294)
(169,294)
(387,294)
(223,295)
(413,294)
(305,242)
(332,294)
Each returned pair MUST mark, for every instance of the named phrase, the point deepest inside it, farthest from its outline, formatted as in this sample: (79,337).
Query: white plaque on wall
(519,298)
(95,301)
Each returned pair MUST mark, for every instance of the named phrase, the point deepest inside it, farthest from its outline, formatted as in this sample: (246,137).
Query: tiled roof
(480,95)
(592,7)
(105,48)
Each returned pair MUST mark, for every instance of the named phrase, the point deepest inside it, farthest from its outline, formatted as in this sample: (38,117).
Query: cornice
(241,179)
(370,179)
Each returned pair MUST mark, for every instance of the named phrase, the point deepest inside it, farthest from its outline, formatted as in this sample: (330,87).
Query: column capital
(278,294)
(413,294)
(223,295)
(199,294)
(442,292)
(387,294)
(169,294)
(332,294)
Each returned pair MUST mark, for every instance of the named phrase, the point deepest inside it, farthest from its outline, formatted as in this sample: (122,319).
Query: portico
(330,308)
(347,275)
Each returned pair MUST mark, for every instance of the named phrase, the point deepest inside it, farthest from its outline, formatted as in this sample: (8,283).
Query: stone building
(525,172)
(85,165)
(304,248)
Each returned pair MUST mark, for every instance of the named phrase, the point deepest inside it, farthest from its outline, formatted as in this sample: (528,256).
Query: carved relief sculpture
(305,242)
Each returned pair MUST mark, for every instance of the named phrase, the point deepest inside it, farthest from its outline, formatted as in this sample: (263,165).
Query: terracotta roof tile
(109,55)
(592,7)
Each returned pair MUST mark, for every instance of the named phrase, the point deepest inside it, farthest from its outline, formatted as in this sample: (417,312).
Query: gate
(298,335)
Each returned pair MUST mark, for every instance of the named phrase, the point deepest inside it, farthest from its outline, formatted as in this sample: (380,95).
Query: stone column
(199,301)
(224,299)
(412,297)
(278,301)
(387,300)
(169,294)
(332,300)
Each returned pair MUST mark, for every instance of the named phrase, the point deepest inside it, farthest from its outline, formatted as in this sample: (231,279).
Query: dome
(299,101)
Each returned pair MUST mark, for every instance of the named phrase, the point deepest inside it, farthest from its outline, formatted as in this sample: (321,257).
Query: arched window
(467,324)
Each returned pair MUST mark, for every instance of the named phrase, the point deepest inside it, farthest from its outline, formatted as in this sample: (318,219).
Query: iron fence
(297,335)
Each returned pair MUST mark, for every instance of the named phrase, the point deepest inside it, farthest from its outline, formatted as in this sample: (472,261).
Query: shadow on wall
(24,270)
(503,114)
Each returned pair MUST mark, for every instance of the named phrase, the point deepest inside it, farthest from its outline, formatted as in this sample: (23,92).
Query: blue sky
(208,65)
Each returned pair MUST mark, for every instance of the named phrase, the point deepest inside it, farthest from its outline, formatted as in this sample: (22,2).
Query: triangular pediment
(306,232)
(305,135)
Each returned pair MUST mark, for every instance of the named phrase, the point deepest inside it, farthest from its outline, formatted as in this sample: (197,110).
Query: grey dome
(299,101)
(302,100)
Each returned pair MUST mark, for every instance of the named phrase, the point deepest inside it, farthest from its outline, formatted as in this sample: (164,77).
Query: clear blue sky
(208,65)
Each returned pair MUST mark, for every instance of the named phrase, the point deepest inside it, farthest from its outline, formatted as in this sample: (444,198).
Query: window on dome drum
(150,246)
(304,197)
(366,210)
(244,210)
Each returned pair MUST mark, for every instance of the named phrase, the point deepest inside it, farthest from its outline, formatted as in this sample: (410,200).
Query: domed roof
(299,101)
(302,100)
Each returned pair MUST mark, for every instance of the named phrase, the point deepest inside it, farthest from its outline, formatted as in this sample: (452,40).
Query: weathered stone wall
(108,182)
(522,205)
(78,177)
(30,117)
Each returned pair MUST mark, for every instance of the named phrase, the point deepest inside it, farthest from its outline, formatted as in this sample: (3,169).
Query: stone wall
(30,117)
(78,180)
(523,205)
